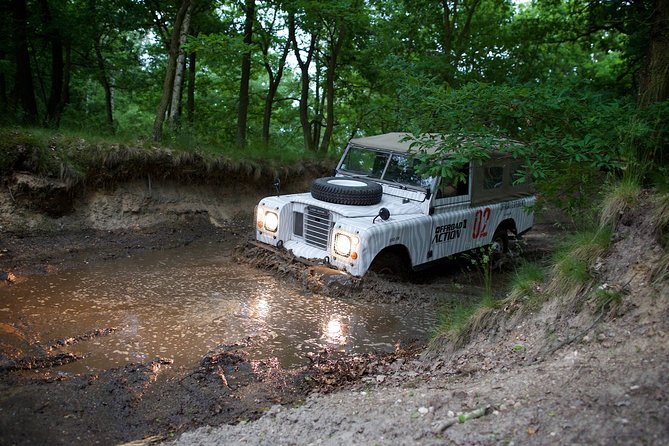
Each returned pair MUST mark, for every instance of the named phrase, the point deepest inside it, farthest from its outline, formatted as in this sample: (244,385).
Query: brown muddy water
(182,303)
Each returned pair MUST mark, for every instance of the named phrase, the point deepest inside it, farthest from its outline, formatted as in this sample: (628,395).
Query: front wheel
(390,265)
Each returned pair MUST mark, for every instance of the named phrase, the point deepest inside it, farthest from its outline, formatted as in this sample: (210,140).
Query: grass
(454,316)
(661,218)
(526,280)
(458,321)
(573,260)
(619,198)
(525,286)
(571,273)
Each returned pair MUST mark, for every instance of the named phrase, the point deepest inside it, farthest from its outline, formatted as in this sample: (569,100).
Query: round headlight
(342,245)
(271,221)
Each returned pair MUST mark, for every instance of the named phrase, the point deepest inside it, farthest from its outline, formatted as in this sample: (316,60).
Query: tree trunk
(654,78)
(242,114)
(65,94)
(23,83)
(56,89)
(106,85)
(274,82)
(190,103)
(3,86)
(319,99)
(309,143)
(335,48)
(453,41)
(168,83)
(175,109)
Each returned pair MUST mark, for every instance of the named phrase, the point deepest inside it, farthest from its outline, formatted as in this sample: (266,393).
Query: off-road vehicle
(377,213)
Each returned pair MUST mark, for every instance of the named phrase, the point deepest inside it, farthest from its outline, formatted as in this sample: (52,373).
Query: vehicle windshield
(395,168)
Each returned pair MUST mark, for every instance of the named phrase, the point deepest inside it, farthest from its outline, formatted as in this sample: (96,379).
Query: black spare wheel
(344,190)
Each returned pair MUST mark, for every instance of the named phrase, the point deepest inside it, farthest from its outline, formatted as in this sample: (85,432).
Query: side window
(493,177)
(454,187)
(401,170)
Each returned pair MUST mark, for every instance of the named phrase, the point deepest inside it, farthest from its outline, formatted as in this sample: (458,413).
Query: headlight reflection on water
(260,308)
(335,331)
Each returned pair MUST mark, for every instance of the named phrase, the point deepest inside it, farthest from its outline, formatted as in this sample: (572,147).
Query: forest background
(584,83)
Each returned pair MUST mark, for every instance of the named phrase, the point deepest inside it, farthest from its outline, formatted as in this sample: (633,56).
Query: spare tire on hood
(347,190)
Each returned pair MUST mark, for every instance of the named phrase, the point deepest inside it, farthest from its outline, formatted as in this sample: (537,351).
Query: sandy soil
(552,376)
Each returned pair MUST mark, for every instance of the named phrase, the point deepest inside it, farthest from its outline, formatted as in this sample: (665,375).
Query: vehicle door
(451,216)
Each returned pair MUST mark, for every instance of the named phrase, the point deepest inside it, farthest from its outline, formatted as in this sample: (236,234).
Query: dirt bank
(47,225)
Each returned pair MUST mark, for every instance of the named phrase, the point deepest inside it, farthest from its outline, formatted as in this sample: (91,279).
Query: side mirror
(277,185)
(384,213)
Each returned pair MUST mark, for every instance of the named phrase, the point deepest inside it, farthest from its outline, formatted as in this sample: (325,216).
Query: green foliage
(555,75)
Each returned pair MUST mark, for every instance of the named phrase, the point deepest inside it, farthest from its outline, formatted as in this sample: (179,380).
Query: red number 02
(480,228)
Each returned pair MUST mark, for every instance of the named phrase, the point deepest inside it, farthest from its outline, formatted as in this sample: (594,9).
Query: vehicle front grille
(317,225)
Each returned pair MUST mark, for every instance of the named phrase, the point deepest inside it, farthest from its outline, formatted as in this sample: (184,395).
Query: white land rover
(377,213)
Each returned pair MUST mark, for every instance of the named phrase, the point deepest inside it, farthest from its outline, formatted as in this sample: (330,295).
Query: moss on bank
(76,160)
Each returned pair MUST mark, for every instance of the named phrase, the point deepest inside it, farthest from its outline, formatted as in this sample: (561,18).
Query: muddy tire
(499,248)
(390,265)
(500,241)
(347,191)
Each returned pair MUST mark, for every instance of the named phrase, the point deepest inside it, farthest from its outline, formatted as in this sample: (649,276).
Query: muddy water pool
(181,303)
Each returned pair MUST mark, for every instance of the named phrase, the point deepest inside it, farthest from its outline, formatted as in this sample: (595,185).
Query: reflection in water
(183,303)
(261,308)
(334,332)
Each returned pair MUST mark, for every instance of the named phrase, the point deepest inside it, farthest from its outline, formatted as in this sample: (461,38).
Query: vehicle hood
(396,206)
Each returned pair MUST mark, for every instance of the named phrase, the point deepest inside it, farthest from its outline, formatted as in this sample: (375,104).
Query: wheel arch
(398,250)
(508,224)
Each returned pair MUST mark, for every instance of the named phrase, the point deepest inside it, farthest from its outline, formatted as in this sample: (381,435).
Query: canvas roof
(395,141)
(403,141)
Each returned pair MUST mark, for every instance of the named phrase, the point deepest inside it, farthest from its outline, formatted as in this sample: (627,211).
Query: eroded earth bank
(556,373)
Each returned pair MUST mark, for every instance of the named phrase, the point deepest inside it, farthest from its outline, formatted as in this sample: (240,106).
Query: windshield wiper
(394,181)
